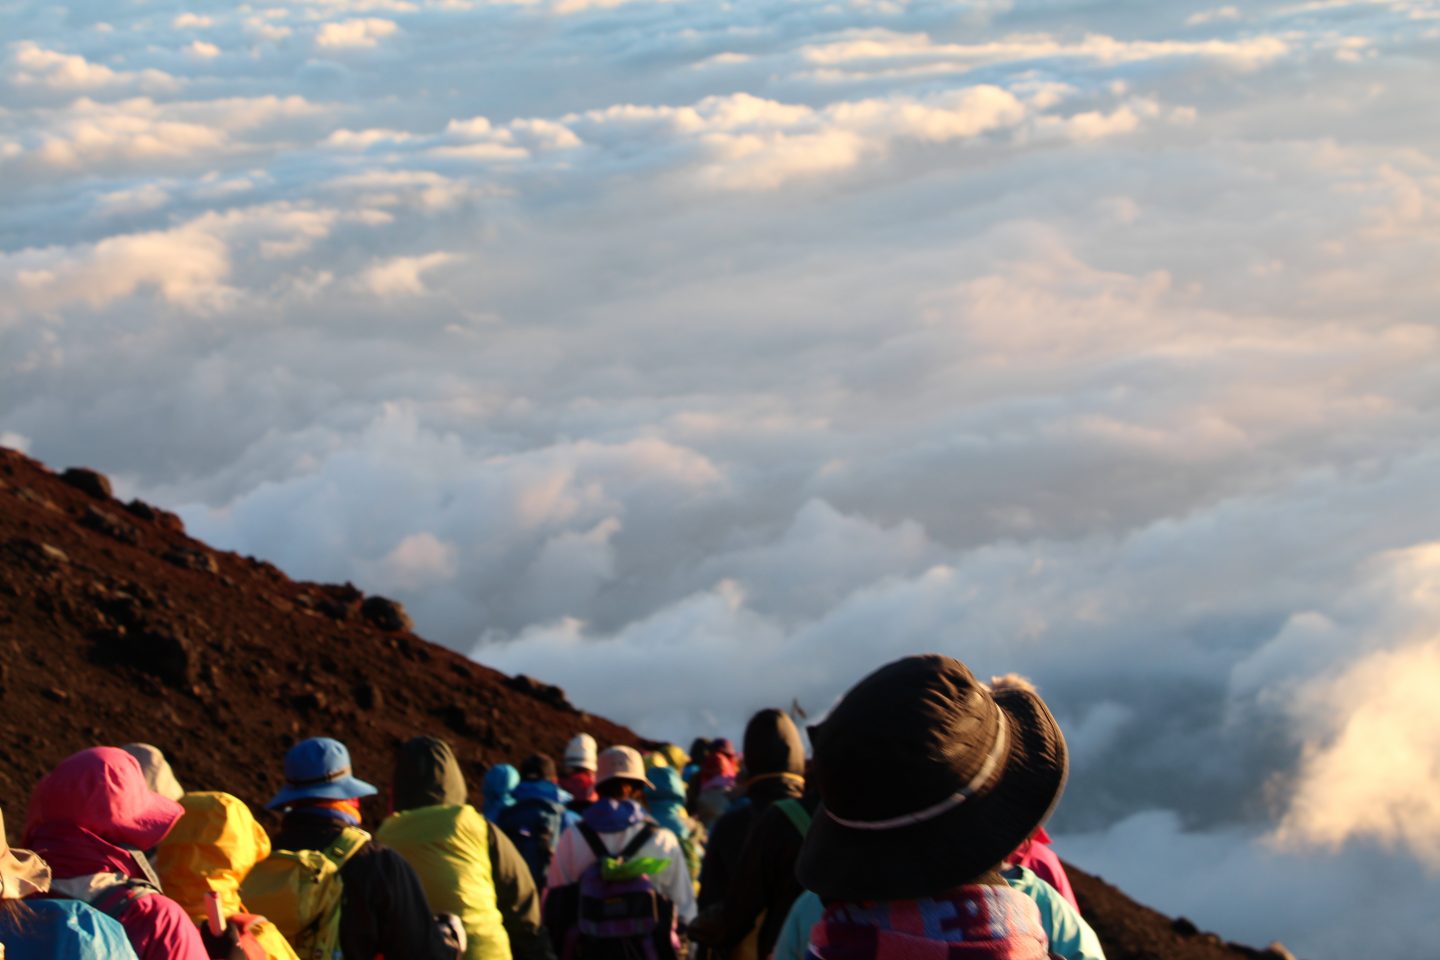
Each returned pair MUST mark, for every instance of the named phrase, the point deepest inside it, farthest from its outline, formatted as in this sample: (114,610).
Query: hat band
(992,760)
(340,774)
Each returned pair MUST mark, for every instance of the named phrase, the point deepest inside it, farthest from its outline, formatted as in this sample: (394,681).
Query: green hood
(427,774)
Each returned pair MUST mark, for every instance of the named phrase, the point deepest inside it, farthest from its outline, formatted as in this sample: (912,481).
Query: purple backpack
(599,919)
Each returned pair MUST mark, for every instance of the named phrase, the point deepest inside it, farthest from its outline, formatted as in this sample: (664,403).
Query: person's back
(330,889)
(212,850)
(447,842)
(927,781)
(61,930)
(764,885)
(618,881)
(38,929)
(775,770)
(538,815)
(90,819)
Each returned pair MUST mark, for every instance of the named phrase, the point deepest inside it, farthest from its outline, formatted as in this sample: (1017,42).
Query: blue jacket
(546,790)
(65,930)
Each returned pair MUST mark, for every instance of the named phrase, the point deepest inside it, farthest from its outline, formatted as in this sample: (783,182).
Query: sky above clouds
(701,356)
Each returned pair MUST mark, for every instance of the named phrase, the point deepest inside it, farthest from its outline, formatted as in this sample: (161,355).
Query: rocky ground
(116,627)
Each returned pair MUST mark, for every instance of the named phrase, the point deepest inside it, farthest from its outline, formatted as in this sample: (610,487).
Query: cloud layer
(702,358)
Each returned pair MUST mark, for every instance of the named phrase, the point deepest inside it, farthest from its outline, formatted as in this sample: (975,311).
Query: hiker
(763,888)
(579,779)
(497,789)
(90,819)
(50,929)
(927,781)
(665,799)
(698,748)
(158,775)
(326,885)
(775,770)
(709,793)
(468,867)
(539,815)
(618,882)
(211,850)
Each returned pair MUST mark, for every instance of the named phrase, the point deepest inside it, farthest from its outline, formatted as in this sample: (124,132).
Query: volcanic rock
(91,481)
(386,614)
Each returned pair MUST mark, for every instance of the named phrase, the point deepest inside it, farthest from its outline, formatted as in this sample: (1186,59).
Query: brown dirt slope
(116,627)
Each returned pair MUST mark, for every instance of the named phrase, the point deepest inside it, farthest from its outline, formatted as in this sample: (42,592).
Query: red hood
(91,806)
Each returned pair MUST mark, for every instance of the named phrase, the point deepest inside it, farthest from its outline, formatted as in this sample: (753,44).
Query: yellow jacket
(447,844)
(213,846)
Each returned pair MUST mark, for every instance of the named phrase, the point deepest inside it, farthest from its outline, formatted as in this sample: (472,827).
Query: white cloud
(418,561)
(192,21)
(361,33)
(32,66)
(403,276)
(202,50)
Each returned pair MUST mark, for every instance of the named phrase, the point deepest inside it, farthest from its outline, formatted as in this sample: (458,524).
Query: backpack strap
(114,900)
(592,839)
(641,838)
(350,842)
(597,846)
(795,811)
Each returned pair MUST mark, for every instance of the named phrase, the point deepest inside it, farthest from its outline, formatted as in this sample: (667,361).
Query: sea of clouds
(701,356)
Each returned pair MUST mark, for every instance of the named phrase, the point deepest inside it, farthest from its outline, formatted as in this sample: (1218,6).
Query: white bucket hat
(580,753)
(21,871)
(622,763)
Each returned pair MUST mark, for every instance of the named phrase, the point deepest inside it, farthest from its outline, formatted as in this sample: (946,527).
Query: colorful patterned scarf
(972,922)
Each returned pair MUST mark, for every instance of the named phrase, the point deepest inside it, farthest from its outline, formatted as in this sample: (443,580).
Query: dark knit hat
(538,766)
(927,780)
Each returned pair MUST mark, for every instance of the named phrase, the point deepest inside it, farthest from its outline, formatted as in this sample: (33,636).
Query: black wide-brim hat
(927,781)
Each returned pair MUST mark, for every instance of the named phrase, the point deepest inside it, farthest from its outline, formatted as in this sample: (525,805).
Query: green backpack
(300,890)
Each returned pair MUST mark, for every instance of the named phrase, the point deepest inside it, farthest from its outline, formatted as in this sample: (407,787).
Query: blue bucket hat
(319,768)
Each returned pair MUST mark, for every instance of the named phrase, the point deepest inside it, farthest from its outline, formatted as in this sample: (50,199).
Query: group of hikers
(913,832)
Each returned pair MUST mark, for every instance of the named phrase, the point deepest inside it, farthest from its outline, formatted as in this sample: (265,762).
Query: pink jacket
(88,817)
(1035,855)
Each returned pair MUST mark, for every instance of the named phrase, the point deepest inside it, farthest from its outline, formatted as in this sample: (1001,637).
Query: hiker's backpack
(600,919)
(300,891)
(534,825)
(115,900)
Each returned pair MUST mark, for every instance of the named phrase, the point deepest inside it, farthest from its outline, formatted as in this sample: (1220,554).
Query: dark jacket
(774,769)
(383,911)
(764,880)
(427,774)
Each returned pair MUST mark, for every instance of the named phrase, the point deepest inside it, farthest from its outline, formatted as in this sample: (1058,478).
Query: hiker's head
(318,774)
(927,781)
(580,753)
(21,871)
(538,766)
(427,775)
(102,790)
(621,774)
(773,747)
(158,775)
